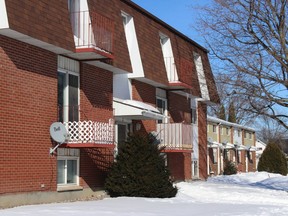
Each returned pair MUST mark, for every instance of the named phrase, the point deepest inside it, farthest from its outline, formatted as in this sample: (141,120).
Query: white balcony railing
(90,132)
(175,136)
(92,30)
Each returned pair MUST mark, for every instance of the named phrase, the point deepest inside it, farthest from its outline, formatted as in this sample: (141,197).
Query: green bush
(230,168)
(139,171)
(273,160)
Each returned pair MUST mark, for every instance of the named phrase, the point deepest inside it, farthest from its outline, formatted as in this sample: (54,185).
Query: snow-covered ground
(243,194)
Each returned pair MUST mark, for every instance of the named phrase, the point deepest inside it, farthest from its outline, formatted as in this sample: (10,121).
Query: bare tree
(250,39)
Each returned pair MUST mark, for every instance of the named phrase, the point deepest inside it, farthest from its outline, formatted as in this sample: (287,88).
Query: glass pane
(60,171)
(73,98)
(71,171)
(61,86)
(122,134)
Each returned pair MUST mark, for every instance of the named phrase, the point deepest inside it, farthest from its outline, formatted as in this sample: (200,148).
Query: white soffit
(3,15)
(136,110)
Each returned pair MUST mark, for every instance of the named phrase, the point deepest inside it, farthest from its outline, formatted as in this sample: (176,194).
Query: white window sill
(69,188)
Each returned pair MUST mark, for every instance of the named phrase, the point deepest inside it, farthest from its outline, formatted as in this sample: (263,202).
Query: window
(214,128)
(67,171)
(68,90)
(250,136)
(162,107)
(221,130)
(226,154)
(194,116)
(67,167)
(215,156)
(245,134)
(227,131)
(239,133)
(239,155)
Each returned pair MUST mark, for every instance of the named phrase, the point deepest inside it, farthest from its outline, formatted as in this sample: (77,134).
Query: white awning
(135,110)
(251,148)
(214,144)
(228,145)
(240,147)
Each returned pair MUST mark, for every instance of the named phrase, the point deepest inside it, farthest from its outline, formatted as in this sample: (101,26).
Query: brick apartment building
(104,69)
(230,141)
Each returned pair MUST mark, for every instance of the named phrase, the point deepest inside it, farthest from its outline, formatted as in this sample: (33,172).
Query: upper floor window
(214,128)
(250,135)
(227,131)
(239,133)
(162,107)
(68,90)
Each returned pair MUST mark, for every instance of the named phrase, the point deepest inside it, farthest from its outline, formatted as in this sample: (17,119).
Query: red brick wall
(179,165)
(96,93)
(202,140)
(145,93)
(28,97)
(47,21)
(179,108)
(94,166)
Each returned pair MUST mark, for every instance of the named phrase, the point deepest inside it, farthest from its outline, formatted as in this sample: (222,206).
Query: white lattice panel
(90,132)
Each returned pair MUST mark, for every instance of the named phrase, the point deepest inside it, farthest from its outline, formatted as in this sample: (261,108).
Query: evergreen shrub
(139,170)
(273,160)
(229,168)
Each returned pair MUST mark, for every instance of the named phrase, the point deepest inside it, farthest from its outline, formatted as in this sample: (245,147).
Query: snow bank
(258,179)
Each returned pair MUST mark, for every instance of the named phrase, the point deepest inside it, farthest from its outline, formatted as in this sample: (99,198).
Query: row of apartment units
(230,141)
(103,70)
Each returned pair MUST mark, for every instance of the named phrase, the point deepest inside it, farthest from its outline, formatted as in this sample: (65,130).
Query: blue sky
(180,14)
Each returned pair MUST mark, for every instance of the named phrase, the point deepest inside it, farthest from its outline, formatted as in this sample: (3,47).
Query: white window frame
(66,158)
(66,93)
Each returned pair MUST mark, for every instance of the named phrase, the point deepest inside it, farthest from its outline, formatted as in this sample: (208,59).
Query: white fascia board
(4,24)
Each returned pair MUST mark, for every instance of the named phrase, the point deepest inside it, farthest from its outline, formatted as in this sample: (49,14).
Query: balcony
(179,77)
(86,133)
(175,137)
(93,35)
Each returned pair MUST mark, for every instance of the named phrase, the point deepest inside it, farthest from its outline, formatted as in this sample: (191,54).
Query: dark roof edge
(145,12)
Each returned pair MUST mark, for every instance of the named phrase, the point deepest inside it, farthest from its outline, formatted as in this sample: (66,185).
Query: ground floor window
(67,167)
(67,171)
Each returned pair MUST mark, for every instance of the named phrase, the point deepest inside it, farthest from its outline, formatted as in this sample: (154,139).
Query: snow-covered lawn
(243,194)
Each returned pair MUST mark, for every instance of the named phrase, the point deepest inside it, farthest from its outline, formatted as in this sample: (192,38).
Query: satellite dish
(58,132)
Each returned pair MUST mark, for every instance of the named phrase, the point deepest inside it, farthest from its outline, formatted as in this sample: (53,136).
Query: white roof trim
(226,123)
